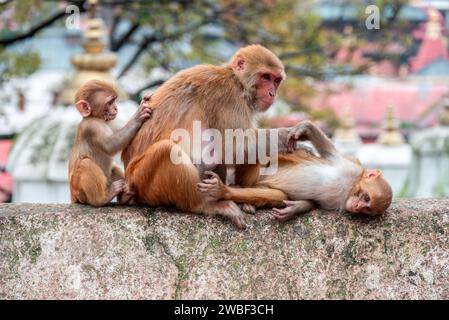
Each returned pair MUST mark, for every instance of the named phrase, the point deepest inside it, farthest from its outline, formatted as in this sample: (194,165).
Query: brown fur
(93,177)
(219,98)
(206,93)
(330,180)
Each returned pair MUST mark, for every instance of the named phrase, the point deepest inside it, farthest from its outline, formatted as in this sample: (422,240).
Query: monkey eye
(266,76)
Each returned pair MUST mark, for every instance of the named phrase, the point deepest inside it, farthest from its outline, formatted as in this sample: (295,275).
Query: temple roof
(369,97)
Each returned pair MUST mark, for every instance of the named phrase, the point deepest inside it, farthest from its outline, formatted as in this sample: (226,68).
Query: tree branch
(117,45)
(5,3)
(144,44)
(57,16)
(115,22)
(146,41)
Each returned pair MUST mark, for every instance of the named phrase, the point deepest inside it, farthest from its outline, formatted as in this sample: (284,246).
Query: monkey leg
(292,209)
(258,196)
(247,176)
(89,184)
(226,209)
(159,181)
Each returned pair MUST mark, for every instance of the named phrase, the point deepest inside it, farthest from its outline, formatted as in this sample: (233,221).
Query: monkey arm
(306,130)
(286,141)
(261,141)
(292,209)
(322,143)
(114,143)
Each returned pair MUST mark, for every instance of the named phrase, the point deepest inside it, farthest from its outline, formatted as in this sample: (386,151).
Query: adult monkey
(221,97)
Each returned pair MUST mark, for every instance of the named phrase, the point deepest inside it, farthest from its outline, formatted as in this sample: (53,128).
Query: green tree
(17,64)
(172,35)
(14,63)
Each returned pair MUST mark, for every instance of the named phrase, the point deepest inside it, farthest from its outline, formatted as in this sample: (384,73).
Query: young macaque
(329,180)
(94,178)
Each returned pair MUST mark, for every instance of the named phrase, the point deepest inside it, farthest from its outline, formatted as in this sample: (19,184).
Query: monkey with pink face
(328,180)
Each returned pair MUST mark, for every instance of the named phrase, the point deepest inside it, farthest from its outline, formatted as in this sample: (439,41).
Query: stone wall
(78,252)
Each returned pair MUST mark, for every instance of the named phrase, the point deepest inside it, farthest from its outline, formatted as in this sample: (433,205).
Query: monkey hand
(298,133)
(127,195)
(213,187)
(116,188)
(291,210)
(129,191)
(146,99)
(145,111)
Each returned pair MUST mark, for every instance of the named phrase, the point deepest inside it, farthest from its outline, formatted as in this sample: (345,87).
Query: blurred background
(373,74)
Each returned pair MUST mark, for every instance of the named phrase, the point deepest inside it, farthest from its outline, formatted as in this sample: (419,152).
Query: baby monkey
(94,178)
(303,180)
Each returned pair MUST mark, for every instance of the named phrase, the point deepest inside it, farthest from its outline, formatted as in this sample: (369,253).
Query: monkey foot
(232,211)
(229,210)
(240,221)
(249,208)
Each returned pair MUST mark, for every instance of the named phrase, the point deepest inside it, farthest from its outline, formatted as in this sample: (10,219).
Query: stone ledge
(78,252)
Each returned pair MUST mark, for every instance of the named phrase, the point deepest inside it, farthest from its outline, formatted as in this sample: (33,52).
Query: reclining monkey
(303,180)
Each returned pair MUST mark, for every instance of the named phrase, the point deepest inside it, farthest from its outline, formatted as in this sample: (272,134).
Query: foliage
(172,35)
(17,64)
(208,31)
(177,34)
(14,63)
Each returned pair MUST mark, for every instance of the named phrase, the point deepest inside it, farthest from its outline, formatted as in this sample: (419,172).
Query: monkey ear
(372,173)
(239,64)
(84,108)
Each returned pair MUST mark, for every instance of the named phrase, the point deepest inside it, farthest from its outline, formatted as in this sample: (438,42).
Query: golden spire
(93,63)
(390,134)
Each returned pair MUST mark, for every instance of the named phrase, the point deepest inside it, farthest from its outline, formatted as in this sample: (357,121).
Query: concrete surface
(78,252)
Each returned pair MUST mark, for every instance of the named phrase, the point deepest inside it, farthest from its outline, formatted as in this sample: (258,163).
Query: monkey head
(97,99)
(260,73)
(370,195)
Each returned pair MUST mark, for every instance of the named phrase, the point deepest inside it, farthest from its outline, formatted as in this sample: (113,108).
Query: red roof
(5,179)
(368,101)
(433,44)
(370,97)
